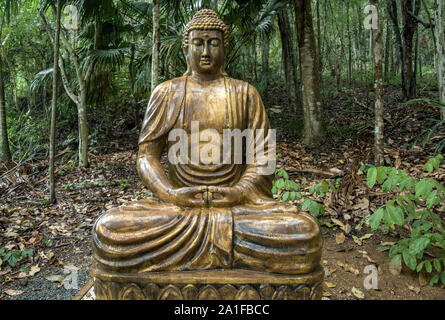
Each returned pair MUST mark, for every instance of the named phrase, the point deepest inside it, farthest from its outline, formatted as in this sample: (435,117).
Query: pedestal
(206,285)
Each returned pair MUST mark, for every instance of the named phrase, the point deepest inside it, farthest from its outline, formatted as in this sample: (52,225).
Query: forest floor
(60,235)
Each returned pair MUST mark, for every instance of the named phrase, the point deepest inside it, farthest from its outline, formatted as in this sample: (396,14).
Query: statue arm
(256,182)
(150,169)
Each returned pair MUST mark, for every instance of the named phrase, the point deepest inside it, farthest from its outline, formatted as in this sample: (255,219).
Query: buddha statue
(205,215)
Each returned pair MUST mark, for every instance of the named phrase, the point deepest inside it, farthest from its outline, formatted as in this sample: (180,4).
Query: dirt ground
(60,235)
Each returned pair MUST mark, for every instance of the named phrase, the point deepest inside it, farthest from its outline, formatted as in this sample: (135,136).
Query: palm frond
(44,76)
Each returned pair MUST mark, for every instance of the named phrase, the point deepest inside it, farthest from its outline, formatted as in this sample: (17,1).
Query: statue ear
(185,50)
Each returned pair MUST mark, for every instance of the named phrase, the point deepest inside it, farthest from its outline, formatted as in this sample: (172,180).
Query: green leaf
(434,280)
(376,217)
(12,261)
(280,183)
(442,277)
(409,259)
(418,245)
(423,188)
(274,190)
(381,174)
(293,195)
(419,266)
(430,201)
(371,177)
(437,265)
(396,214)
(286,196)
(428,266)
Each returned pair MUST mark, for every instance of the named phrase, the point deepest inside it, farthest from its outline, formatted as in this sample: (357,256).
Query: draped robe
(259,234)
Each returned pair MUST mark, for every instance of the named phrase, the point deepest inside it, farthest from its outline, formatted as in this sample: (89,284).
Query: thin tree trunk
(387,52)
(156,46)
(440,51)
(349,45)
(265,46)
(288,58)
(52,136)
(392,11)
(378,86)
(5,153)
(309,72)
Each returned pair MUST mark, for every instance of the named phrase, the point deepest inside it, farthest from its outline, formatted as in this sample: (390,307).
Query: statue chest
(207,107)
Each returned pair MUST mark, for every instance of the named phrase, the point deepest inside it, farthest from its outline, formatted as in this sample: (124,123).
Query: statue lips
(206,61)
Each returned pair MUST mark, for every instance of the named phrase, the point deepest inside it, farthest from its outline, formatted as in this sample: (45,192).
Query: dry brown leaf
(415,289)
(395,268)
(330,284)
(340,238)
(13,293)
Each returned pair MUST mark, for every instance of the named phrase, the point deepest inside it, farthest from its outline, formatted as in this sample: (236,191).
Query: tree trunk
(52,136)
(5,154)
(387,51)
(392,11)
(440,51)
(377,45)
(288,59)
(83,127)
(309,72)
(156,46)
(265,46)
(348,28)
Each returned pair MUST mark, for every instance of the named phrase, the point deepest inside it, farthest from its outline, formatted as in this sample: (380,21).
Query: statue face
(206,51)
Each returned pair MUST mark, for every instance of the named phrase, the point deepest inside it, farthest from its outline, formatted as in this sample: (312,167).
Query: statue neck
(202,77)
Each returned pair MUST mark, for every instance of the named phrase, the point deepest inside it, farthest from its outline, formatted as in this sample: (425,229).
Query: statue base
(206,285)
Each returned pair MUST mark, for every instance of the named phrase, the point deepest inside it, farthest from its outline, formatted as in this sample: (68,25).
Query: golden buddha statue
(205,215)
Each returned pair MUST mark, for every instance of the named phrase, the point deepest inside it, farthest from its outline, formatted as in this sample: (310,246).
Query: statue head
(205,43)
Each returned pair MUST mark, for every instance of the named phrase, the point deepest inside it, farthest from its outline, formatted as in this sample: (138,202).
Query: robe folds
(259,234)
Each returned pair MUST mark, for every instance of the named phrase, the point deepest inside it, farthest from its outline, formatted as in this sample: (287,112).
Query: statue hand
(188,196)
(224,196)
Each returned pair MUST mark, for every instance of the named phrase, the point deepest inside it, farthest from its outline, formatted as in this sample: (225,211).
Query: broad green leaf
(381,174)
(419,245)
(409,259)
(430,201)
(396,214)
(371,176)
(376,217)
(423,188)
(442,277)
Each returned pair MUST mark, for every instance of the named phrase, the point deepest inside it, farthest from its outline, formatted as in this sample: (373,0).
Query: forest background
(355,88)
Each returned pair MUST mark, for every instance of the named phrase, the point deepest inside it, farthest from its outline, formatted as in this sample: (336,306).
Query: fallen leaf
(330,284)
(357,240)
(422,279)
(13,293)
(415,289)
(55,278)
(34,270)
(326,294)
(356,292)
(366,236)
(340,238)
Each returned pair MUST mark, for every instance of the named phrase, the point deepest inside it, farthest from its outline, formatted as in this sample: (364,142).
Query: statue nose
(206,52)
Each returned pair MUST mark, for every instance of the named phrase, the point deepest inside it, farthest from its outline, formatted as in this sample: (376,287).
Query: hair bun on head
(206,19)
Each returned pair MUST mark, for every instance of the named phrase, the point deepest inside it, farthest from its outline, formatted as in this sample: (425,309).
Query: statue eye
(197,42)
(214,42)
